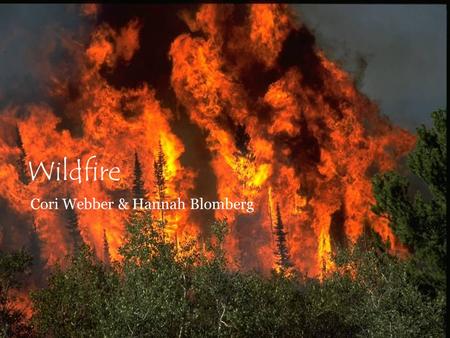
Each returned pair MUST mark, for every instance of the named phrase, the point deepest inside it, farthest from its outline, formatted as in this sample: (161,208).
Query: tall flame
(283,126)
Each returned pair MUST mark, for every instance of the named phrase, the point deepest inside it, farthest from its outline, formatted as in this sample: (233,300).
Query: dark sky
(403,48)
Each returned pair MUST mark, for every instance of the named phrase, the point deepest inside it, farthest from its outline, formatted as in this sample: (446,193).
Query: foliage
(12,320)
(106,254)
(282,252)
(73,228)
(159,167)
(161,290)
(138,183)
(159,173)
(421,224)
(21,162)
(371,294)
(76,302)
(38,262)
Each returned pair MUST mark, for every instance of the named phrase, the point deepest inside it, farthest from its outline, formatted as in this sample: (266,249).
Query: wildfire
(284,126)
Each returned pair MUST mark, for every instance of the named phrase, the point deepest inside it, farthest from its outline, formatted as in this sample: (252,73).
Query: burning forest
(203,103)
(275,122)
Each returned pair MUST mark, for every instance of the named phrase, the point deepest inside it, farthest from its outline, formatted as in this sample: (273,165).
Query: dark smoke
(31,47)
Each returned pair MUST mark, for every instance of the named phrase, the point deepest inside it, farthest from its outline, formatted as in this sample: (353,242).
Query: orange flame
(300,136)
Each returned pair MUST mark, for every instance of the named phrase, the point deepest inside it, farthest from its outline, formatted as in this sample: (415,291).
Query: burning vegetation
(304,227)
(279,123)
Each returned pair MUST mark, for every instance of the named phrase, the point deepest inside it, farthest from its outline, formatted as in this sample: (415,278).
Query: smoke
(403,46)
(161,25)
(31,48)
(151,65)
(244,103)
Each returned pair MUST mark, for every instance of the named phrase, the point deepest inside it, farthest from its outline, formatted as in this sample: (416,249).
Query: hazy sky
(404,47)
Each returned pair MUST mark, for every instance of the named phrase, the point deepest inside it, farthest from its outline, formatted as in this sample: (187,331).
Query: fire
(284,126)
(108,133)
(312,137)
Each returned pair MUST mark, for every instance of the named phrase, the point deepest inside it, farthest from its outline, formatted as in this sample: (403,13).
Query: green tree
(21,162)
(282,252)
(35,247)
(159,172)
(12,320)
(74,228)
(138,182)
(77,300)
(106,253)
(160,291)
(371,294)
(420,223)
(152,300)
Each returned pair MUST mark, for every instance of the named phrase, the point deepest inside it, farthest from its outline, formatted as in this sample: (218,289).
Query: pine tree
(35,247)
(13,321)
(74,229)
(138,182)
(159,166)
(106,254)
(21,162)
(282,252)
(420,223)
